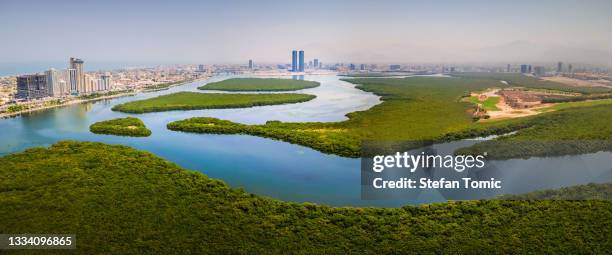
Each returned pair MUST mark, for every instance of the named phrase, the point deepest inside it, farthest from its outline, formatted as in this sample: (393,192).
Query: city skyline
(395,31)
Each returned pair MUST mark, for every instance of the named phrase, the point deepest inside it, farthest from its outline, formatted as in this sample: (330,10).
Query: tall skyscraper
(201,68)
(294,66)
(508,68)
(55,83)
(250,64)
(569,68)
(77,64)
(301,61)
(32,86)
(91,83)
(106,82)
(559,67)
(71,75)
(523,68)
(316,63)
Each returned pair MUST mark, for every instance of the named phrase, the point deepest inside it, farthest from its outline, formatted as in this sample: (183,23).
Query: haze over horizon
(341,31)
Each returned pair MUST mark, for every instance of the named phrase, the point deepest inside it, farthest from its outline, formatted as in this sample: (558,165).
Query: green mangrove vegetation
(195,101)
(118,200)
(573,104)
(564,132)
(128,126)
(105,94)
(577,98)
(164,86)
(413,109)
(259,84)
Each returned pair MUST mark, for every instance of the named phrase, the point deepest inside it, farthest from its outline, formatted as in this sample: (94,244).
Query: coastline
(6,115)
(71,102)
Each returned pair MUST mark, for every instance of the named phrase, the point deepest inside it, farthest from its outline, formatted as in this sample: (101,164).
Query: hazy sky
(349,31)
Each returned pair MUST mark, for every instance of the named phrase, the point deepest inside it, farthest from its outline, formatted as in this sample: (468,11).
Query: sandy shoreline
(71,102)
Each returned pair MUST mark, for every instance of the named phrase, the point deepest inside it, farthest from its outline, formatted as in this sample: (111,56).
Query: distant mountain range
(524,51)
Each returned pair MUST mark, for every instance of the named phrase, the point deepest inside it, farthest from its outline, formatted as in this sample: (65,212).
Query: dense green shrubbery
(196,101)
(577,98)
(298,133)
(118,200)
(103,94)
(128,126)
(17,108)
(164,86)
(259,84)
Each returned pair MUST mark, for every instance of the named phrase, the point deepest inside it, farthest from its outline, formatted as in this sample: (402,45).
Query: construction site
(512,102)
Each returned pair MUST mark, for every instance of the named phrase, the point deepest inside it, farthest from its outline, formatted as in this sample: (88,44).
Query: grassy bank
(195,101)
(128,126)
(489,104)
(119,200)
(259,84)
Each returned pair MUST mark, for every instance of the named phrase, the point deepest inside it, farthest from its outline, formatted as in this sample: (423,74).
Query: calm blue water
(259,165)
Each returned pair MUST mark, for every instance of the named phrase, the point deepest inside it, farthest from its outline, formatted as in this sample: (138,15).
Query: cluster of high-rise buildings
(541,70)
(297,62)
(58,83)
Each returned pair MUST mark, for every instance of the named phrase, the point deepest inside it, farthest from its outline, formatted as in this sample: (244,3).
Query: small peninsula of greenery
(259,84)
(118,200)
(196,101)
(128,126)
(96,95)
(165,86)
(415,109)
